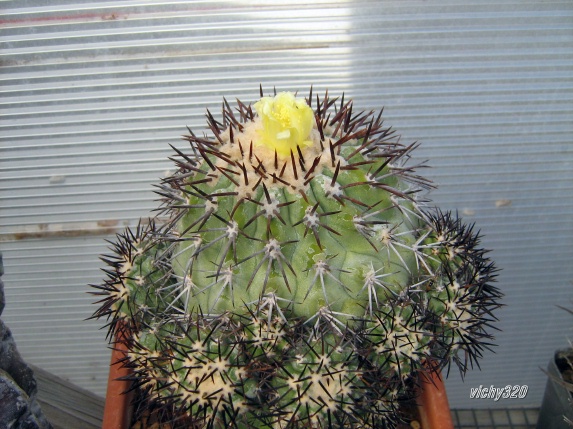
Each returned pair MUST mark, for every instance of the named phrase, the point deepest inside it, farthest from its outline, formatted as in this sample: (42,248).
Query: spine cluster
(295,286)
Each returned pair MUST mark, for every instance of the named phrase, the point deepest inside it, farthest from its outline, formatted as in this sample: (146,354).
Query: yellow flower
(287,122)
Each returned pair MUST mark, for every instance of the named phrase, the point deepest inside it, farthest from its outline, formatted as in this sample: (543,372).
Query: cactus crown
(294,276)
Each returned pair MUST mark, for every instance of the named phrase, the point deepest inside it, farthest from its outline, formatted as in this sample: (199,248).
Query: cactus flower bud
(286,123)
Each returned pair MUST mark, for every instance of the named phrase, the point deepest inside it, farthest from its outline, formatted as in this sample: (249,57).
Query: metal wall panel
(93,93)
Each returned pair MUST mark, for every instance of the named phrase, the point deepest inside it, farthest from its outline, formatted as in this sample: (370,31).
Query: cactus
(295,275)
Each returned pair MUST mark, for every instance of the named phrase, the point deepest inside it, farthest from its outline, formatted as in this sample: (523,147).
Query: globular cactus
(294,275)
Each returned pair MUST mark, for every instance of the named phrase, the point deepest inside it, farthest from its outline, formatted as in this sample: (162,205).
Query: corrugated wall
(94,92)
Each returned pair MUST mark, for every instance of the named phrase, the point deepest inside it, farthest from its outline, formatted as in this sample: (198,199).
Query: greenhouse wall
(94,93)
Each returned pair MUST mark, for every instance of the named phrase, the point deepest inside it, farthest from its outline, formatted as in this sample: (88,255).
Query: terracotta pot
(118,410)
(432,403)
(433,406)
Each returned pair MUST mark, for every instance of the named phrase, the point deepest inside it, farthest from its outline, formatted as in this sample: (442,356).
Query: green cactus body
(299,280)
